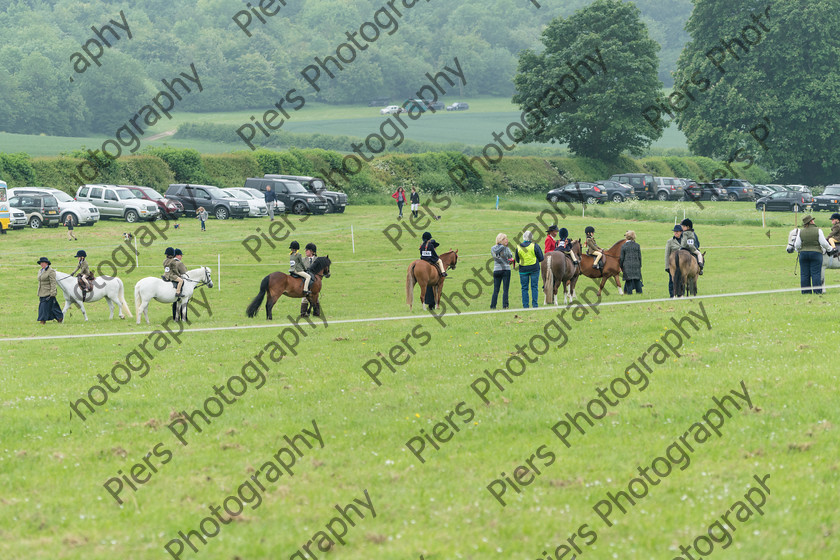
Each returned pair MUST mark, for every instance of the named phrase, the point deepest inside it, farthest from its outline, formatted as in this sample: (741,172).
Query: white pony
(151,288)
(110,288)
(827,262)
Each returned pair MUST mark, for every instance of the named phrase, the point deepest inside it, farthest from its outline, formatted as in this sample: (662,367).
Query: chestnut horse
(611,267)
(278,284)
(684,273)
(559,270)
(426,274)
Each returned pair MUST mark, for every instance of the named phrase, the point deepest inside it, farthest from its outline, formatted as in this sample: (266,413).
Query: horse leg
(618,285)
(269,305)
(601,286)
(82,307)
(110,308)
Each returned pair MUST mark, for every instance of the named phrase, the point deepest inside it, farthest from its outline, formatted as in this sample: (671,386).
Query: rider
(690,243)
(550,241)
(170,256)
(672,246)
(592,248)
(85,276)
(311,254)
(564,244)
(428,254)
(297,267)
(834,236)
(177,271)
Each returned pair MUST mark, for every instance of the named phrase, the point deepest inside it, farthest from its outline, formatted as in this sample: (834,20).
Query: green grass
(53,467)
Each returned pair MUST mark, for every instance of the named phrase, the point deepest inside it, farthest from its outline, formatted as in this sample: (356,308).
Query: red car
(169,209)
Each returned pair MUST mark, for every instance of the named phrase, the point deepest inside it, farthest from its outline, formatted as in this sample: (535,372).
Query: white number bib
(425,253)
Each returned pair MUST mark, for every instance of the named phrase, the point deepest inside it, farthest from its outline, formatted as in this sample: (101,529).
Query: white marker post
(353,239)
(136,254)
(219,272)
(763,210)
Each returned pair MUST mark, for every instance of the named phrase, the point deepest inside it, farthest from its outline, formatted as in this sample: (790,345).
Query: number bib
(425,253)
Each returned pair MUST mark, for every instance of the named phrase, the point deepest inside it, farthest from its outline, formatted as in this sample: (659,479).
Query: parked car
(257,208)
(17,218)
(391,110)
(736,189)
(336,201)
(211,198)
(784,201)
(458,106)
(279,207)
(81,213)
(436,105)
(643,183)
(291,193)
(704,191)
(617,192)
(117,202)
(763,190)
(828,200)
(799,188)
(590,193)
(169,209)
(423,105)
(669,188)
(39,208)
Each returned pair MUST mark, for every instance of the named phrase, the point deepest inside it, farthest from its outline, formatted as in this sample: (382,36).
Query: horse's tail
(123,304)
(549,281)
(410,280)
(678,276)
(255,304)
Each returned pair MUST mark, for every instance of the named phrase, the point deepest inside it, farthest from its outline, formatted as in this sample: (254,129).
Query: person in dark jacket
(529,255)
(565,244)
(415,202)
(630,262)
(269,202)
(48,308)
(428,253)
(690,242)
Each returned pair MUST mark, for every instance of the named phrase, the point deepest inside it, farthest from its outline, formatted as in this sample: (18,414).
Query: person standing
(202,215)
(551,239)
(269,202)
(311,252)
(810,243)
(670,247)
(529,256)
(415,202)
(502,259)
(630,262)
(399,196)
(48,308)
(69,223)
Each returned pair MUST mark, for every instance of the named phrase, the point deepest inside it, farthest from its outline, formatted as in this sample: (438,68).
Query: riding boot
(43,322)
(304,308)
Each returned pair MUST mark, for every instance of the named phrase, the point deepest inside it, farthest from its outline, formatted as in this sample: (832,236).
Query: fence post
(219,273)
(353,238)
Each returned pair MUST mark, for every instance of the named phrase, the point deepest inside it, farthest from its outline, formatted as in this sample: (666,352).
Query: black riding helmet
(564,233)
(81,253)
(687,223)
(311,247)
(294,245)
(589,229)
(426,236)
(170,252)
(178,252)
(835,216)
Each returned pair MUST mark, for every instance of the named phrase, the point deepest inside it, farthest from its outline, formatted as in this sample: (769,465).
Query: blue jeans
(500,277)
(810,271)
(533,278)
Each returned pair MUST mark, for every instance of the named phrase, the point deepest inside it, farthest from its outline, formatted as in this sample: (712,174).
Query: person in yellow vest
(529,255)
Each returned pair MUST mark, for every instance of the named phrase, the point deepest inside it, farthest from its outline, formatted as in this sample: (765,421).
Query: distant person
(670,247)
(311,252)
(48,308)
(630,262)
(69,223)
(551,239)
(502,259)
(201,214)
(810,243)
(177,272)
(529,256)
(269,202)
(834,236)
(399,196)
(415,202)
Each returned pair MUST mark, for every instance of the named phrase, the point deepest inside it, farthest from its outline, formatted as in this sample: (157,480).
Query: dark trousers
(630,285)
(499,277)
(400,205)
(532,278)
(810,271)
(670,285)
(48,309)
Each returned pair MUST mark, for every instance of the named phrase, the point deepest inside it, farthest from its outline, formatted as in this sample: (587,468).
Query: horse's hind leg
(111,308)
(82,307)
(269,305)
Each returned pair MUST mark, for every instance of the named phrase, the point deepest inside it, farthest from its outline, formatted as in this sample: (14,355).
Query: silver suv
(118,202)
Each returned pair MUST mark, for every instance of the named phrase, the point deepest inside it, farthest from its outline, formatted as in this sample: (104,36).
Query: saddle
(85,285)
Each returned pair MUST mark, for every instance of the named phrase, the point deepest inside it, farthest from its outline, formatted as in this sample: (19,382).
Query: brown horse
(278,284)
(684,272)
(558,270)
(611,267)
(426,274)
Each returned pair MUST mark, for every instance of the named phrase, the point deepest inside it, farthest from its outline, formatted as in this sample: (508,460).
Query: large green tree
(602,117)
(786,86)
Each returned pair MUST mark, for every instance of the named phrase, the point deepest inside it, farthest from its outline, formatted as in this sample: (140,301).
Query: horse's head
(322,266)
(207,277)
(792,240)
(454,255)
(576,248)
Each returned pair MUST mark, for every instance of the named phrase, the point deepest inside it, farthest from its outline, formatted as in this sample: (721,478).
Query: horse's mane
(320,264)
(617,244)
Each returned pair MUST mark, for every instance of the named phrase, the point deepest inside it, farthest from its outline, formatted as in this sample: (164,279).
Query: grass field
(52,499)
(473,127)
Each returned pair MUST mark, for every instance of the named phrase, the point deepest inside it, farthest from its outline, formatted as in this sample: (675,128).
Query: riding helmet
(687,223)
(170,252)
(564,233)
(311,247)
(81,253)
(44,260)
(178,252)
(835,216)
(426,236)
(294,245)
(589,229)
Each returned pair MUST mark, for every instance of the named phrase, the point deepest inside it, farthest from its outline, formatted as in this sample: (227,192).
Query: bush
(17,170)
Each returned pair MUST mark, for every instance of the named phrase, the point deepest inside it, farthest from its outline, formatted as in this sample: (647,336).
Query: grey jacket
(631,261)
(501,257)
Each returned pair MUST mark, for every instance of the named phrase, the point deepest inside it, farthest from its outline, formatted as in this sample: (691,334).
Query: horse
(611,267)
(684,272)
(153,287)
(279,283)
(558,270)
(427,274)
(830,263)
(108,287)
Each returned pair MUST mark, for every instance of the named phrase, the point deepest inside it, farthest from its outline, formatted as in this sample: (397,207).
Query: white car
(279,206)
(83,213)
(18,218)
(256,207)
(391,110)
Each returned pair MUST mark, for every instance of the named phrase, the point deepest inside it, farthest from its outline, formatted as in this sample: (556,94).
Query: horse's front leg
(111,308)
(618,285)
(82,307)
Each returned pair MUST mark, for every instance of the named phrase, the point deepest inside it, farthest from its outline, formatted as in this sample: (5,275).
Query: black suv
(828,200)
(336,201)
(736,189)
(211,198)
(616,191)
(291,193)
(40,209)
(643,184)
